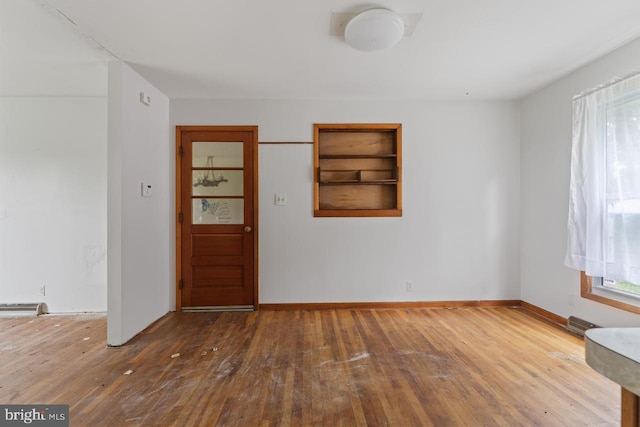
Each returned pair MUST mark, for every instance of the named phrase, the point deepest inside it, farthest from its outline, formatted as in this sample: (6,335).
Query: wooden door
(217,217)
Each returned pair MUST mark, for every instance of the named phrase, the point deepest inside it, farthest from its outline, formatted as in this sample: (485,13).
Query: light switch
(146,190)
(145,99)
(280,199)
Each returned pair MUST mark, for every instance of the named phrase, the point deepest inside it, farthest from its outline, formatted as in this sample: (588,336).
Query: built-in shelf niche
(358,169)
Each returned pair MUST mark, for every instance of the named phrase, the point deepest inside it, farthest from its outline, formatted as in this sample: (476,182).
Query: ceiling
(282,49)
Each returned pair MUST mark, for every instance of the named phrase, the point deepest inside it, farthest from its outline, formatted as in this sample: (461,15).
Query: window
(604,210)
(592,288)
(621,286)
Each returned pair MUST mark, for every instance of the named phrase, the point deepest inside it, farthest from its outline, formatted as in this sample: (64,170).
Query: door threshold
(217,308)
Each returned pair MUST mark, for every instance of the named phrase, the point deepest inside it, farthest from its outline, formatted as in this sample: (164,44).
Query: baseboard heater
(22,309)
(578,326)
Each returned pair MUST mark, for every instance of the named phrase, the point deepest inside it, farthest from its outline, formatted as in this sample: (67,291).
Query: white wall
(546,148)
(53,226)
(140,288)
(458,238)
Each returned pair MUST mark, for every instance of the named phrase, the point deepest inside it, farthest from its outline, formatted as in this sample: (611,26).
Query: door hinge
(180,217)
(180,284)
(180,151)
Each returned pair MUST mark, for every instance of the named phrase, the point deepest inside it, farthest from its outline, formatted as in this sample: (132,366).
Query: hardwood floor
(407,367)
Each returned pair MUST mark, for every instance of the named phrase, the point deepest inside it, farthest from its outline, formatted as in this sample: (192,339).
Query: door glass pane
(218,182)
(217,154)
(218,211)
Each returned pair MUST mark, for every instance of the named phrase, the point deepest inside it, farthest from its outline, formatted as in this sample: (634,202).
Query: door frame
(178,225)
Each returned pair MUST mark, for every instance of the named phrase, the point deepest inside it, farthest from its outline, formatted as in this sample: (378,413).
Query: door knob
(247,229)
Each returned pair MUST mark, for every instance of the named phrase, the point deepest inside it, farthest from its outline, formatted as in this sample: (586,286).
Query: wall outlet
(42,290)
(409,286)
(573,300)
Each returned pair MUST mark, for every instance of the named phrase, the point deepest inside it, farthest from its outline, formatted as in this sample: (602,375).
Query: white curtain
(604,207)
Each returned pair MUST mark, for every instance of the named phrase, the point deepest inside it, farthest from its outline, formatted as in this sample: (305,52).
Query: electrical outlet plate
(409,286)
(42,290)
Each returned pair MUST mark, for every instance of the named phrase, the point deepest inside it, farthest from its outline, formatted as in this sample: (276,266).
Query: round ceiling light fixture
(374,29)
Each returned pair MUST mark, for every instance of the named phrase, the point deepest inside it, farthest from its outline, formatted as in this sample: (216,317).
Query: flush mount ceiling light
(374,29)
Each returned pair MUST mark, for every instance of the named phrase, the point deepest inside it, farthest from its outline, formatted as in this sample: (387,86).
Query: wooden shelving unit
(358,170)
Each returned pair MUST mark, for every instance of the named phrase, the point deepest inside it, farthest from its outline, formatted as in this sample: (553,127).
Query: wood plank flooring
(396,367)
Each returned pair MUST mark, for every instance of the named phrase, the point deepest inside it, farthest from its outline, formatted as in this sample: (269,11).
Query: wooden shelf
(377,182)
(358,156)
(372,177)
(358,170)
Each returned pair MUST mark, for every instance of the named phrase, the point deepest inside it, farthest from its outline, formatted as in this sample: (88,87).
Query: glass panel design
(218,183)
(218,211)
(217,154)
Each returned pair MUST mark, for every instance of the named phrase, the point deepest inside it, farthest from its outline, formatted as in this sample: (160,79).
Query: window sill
(608,297)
